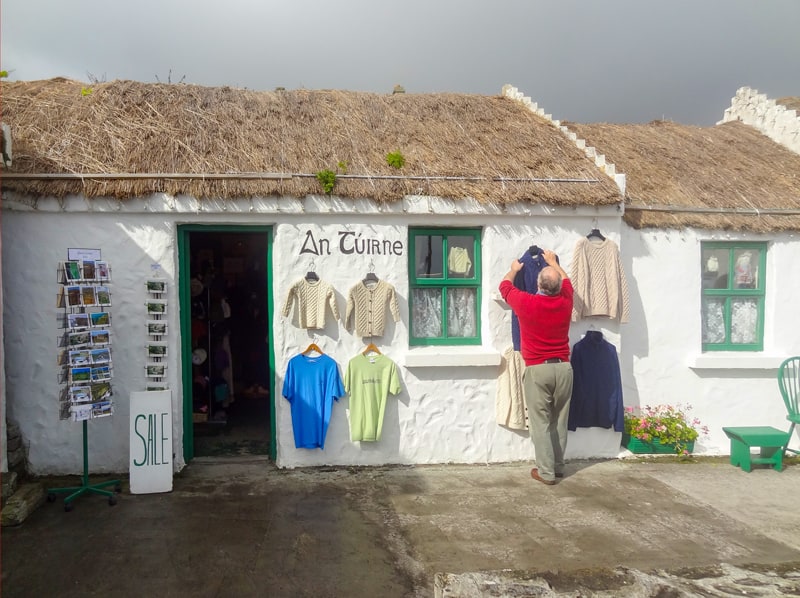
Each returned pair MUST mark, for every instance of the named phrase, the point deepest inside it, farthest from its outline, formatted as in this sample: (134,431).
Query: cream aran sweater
(599,281)
(311,296)
(366,304)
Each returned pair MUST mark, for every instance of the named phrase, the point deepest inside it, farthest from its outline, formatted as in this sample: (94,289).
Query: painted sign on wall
(350,242)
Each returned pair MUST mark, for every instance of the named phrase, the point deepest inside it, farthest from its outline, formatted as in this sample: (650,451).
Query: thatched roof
(792,103)
(728,176)
(479,142)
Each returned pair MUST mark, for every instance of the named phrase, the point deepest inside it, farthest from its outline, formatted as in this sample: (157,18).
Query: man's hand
(549,257)
(516,266)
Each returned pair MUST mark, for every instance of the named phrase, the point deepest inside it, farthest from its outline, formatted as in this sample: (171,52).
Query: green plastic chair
(789,383)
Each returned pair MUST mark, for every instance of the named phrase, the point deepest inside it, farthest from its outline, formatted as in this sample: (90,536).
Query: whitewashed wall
(444,413)
(662,360)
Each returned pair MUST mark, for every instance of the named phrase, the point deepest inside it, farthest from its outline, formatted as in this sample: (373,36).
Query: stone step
(26,500)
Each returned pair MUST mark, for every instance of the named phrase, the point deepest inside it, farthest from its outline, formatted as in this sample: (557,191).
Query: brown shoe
(535,475)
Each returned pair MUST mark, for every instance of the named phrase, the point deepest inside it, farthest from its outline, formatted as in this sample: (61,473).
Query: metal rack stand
(85,487)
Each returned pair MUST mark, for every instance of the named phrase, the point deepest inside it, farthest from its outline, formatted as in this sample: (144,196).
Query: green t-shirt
(369,379)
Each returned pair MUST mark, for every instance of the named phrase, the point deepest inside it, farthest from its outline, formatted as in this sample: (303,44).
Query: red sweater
(543,321)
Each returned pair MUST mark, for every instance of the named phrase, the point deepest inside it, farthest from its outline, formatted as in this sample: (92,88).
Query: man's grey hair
(549,281)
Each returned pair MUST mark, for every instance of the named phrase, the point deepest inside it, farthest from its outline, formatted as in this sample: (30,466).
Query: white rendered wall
(662,361)
(774,120)
(444,414)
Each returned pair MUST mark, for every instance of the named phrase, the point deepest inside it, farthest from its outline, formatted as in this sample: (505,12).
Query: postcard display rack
(84,299)
(156,346)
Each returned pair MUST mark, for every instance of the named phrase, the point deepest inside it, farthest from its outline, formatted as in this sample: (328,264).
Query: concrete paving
(241,527)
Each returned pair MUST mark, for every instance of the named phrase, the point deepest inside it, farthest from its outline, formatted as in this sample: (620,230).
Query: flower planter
(640,447)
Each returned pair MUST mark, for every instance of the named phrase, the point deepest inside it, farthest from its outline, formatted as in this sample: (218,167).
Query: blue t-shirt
(311,385)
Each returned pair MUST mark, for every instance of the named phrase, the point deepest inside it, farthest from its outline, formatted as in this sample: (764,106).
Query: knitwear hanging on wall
(598,279)
(366,305)
(510,409)
(311,298)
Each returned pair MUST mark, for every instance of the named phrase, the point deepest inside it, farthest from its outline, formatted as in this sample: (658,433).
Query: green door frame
(184,295)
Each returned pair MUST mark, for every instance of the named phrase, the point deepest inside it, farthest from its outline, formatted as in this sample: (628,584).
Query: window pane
(426,316)
(461,312)
(715,268)
(713,320)
(745,270)
(460,257)
(744,321)
(428,253)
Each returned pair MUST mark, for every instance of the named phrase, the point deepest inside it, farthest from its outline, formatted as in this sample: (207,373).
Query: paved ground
(241,527)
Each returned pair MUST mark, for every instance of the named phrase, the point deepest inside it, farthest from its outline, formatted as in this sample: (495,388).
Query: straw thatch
(728,176)
(63,126)
(792,103)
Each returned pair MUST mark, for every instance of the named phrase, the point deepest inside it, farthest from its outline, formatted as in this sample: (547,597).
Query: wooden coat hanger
(371,347)
(313,347)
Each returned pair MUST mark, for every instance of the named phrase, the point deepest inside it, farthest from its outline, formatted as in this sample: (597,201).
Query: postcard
(78,320)
(101,270)
(88,295)
(156,307)
(100,337)
(101,391)
(89,270)
(77,358)
(156,328)
(102,409)
(81,412)
(100,355)
(156,286)
(156,349)
(72,270)
(100,319)
(156,388)
(156,370)
(80,374)
(80,394)
(79,339)
(74,296)
(101,373)
(103,296)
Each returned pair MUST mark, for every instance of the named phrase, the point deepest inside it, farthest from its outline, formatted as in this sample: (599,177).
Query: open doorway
(226,353)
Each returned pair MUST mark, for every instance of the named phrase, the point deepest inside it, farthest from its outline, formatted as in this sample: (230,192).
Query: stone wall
(774,120)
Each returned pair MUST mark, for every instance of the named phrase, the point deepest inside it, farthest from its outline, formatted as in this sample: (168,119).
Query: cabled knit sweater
(367,306)
(311,297)
(599,281)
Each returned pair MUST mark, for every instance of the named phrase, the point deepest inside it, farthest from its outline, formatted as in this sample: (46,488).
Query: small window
(445,286)
(733,276)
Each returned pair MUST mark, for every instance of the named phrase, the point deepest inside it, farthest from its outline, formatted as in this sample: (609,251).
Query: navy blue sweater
(597,385)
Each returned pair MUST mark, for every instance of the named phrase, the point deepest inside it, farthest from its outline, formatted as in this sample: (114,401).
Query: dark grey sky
(582,60)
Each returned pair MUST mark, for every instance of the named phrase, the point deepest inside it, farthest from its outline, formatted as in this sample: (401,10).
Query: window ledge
(452,356)
(735,361)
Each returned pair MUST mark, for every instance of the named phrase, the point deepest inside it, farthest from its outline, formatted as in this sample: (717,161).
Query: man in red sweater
(544,344)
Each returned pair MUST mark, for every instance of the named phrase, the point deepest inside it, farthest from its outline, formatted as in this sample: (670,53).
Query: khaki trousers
(548,391)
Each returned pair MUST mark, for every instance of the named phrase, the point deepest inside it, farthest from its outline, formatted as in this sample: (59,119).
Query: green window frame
(733,282)
(444,299)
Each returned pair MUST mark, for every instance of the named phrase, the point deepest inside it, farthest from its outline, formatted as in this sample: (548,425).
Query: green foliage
(341,166)
(667,424)
(3,74)
(395,160)
(85,91)
(327,179)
